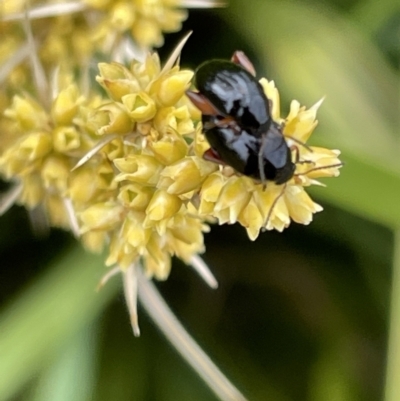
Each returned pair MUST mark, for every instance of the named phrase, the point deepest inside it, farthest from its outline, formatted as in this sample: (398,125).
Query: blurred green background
(300,316)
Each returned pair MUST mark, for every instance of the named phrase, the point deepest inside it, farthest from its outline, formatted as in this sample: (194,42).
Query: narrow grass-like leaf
(392,390)
(71,376)
(46,315)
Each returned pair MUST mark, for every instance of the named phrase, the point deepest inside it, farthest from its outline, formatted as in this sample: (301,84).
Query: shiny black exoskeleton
(237,122)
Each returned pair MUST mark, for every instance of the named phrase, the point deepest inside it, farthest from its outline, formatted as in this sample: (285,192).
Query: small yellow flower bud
(159,268)
(82,43)
(185,123)
(114,149)
(147,33)
(82,184)
(300,123)
(135,196)
(117,80)
(34,146)
(121,253)
(300,206)
(173,18)
(133,232)
(170,149)
(66,105)
(147,71)
(27,113)
(172,87)
(174,119)
(33,192)
(122,16)
(94,241)
(271,203)
(210,191)
(185,175)
(200,143)
(54,48)
(234,196)
(139,106)
(162,206)
(186,229)
(158,263)
(66,139)
(252,219)
(110,119)
(12,165)
(105,177)
(55,172)
(142,169)
(101,216)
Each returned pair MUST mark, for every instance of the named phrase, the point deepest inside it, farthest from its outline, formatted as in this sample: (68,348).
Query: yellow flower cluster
(146,20)
(74,35)
(156,172)
(130,191)
(128,170)
(41,148)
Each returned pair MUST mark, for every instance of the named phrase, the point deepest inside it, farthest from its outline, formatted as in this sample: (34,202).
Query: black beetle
(237,120)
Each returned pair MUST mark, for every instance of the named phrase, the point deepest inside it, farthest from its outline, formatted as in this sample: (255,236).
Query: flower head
(77,30)
(135,169)
(130,167)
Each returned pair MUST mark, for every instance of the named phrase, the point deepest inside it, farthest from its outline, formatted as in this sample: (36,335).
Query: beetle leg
(241,59)
(228,122)
(202,103)
(212,155)
(261,163)
(224,122)
(271,209)
(297,154)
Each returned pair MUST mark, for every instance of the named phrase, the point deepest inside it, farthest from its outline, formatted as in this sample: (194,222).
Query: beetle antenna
(320,168)
(299,143)
(271,209)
